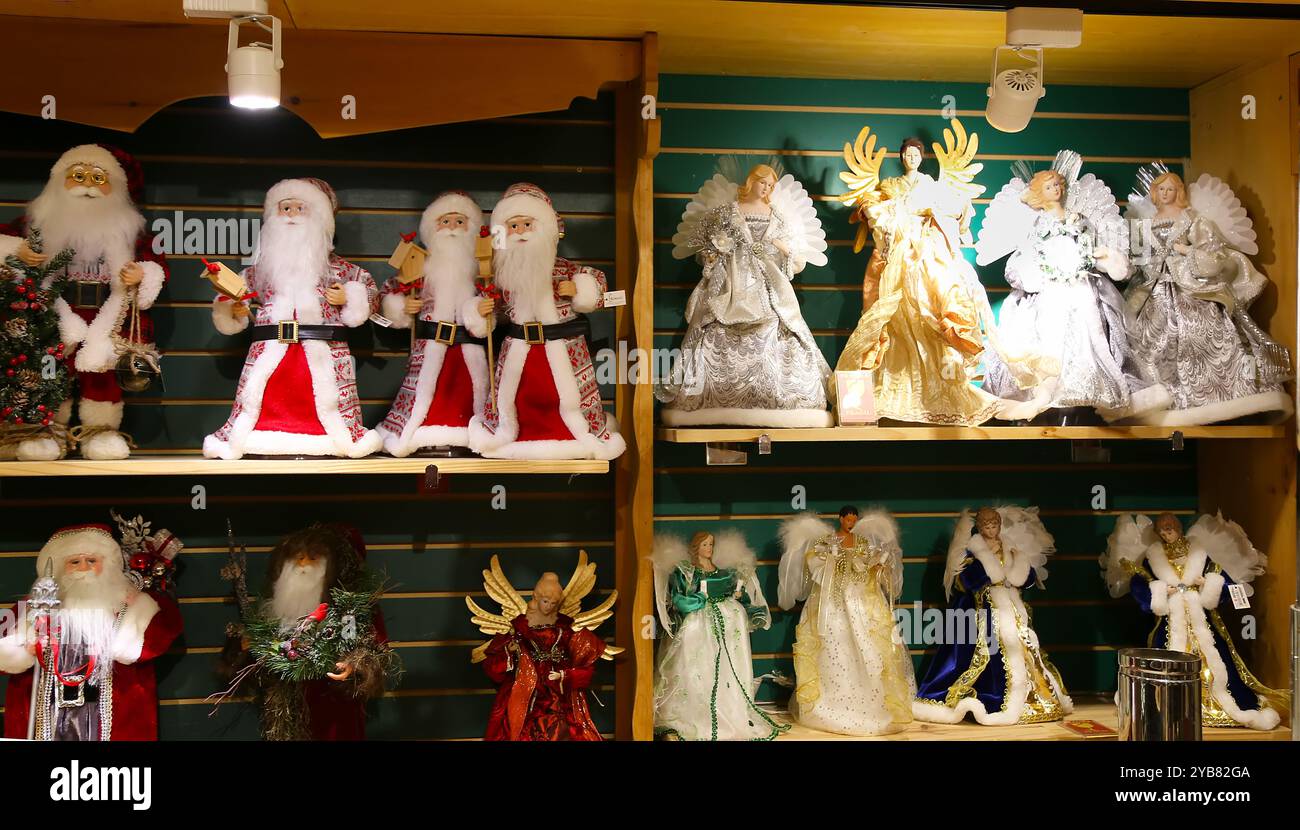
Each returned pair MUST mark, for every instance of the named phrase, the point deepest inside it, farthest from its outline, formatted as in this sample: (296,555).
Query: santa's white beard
(92,225)
(449,269)
(89,603)
(524,268)
(298,590)
(292,253)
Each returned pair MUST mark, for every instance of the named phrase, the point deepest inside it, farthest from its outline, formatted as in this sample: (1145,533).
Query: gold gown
(920,329)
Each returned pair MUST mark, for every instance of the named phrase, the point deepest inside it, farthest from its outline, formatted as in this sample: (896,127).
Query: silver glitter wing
(1092,199)
(1007,223)
(1139,201)
(689,241)
(807,236)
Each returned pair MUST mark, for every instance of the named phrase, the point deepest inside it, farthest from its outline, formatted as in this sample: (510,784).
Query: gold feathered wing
(505,595)
(956,168)
(580,585)
(863,179)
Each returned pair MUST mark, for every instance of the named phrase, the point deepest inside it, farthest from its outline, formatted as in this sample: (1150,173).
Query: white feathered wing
(795,207)
(1129,541)
(1211,197)
(1227,544)
(797,534)
(878,529)
(718,190)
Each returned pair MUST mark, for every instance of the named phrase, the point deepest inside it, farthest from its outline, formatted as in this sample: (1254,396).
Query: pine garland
(34,374)
(319,641)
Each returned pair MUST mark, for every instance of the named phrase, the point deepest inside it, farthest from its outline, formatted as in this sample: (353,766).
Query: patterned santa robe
(150,625)
(547,402)
(445,386)
(298,398)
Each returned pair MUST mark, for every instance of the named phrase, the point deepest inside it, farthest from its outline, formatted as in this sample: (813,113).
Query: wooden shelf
(375,465)
(719,435)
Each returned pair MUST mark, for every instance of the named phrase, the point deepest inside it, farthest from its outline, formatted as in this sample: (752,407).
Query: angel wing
(1023,531)
(1007,223)
(807,236)
(863,179)
(730,550)
(668,552)
(1092,199)
(736,168)
(879,530)
(957,550)
(1125,549)
(1214,200)
(580,585)
(498,587)
(688,241)
(1139,201)
(796,535)
(1227,544)
(956,166)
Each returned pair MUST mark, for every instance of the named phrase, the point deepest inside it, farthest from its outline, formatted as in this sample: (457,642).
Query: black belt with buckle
(448,334)
(535,334)
(290,331)
(80,294)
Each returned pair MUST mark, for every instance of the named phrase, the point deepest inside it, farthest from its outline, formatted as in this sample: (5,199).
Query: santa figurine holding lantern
(89,204)
(297,394)
(446,381)
(545,402)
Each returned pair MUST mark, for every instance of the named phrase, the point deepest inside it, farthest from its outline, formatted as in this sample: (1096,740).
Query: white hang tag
(380,320)
(614,299)
(1239,599)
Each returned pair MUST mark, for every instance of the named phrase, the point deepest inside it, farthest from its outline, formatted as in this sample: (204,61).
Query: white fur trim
(1212,590)
(129,641)
(100,413)
(91,154)
(1016,575)
(415,436)
(1159,597)
(38,449)
(357,309)
(526,204)
(14,657)
(9,245)
(224,319)
(449,203)
(393,306)
(86,540)
(97,352)
(589,297)
(72,329)
(149,287)
(1277,401)
(475,322)
(107,446)
(1150,399)
(775,418)
(318,204)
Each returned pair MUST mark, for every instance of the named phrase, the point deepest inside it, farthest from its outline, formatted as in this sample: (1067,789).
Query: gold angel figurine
(924,312)
(542,655)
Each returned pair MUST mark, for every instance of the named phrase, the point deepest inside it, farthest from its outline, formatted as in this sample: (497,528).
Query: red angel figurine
(542,656)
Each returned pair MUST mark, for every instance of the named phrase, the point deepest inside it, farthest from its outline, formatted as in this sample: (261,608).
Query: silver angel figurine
(1191,298)
(1068,248)
(748,357)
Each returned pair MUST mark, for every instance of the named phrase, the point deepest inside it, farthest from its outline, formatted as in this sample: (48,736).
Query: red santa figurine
(297,394)
(89,205)
(446,380)
(87,647)
(547,403)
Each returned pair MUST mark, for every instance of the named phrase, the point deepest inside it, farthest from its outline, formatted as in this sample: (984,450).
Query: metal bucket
(1159,695)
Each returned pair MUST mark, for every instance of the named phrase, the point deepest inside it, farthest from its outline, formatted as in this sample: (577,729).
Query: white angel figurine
(709,600)
(853,674)
(1183,580)
(748,357)
(1068,248)
(997,672)
(1193,330)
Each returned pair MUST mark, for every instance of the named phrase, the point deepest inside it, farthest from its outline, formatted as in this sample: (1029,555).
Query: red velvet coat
(332,711)
(529,706)
(135,690)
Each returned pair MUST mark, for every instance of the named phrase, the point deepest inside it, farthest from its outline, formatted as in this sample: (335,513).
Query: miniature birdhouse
(408,259)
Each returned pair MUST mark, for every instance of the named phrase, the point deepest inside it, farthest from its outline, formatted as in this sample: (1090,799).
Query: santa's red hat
(525,199)
(79,539)
(123,170)
(315,193)
(453,201)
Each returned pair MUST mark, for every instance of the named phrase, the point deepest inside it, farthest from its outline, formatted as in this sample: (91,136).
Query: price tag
(380,320)
(1239,598)
(614,299)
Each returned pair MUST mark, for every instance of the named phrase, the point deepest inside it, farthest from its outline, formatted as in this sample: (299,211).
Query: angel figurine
(1183,580)
(998,672)
(748,357)
(924,312)
(542,655)
(709,600)
(852,671)
(1068,248)
(1192,302)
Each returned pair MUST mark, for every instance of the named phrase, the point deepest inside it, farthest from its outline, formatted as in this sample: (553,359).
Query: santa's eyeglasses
(81,175)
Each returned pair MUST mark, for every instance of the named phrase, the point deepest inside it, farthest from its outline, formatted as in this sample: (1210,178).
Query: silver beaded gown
(748,357)
(1193,327)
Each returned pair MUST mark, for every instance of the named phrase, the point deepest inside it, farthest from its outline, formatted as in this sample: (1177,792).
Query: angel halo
(748,358)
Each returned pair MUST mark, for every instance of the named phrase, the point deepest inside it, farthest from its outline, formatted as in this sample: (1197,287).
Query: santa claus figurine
(446,380)
(87,646)
(304,566)
(547,403)
(89,205)
(297,394)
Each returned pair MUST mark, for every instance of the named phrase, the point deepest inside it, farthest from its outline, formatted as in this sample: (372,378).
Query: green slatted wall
(925,484)
(208,160)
